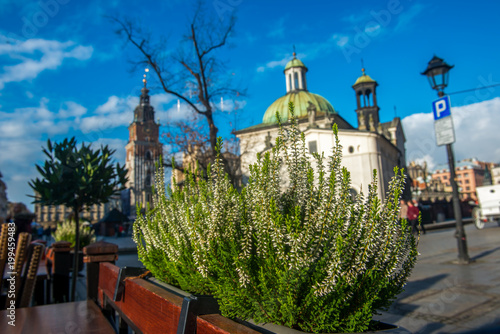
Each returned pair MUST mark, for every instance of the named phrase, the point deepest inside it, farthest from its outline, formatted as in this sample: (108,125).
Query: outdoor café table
(76,317)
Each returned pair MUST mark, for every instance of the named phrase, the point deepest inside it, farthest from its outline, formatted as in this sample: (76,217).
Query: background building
(372,145)
(495,175)
(470,174)
(143,152)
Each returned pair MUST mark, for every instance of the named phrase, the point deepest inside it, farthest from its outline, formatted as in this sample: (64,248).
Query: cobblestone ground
(444,297)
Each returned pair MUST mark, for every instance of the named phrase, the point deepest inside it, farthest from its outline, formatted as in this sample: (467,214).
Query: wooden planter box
(149,308)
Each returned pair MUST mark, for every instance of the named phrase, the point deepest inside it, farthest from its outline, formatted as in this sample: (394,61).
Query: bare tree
(195,74)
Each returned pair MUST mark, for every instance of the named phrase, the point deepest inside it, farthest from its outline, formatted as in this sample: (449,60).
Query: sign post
(443,123)
(445,135)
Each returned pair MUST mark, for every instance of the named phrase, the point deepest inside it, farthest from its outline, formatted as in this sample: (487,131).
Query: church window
(313,147)
(351,149)
(296,80)
(290,81)
(303,81)
(147,182)
(148,155)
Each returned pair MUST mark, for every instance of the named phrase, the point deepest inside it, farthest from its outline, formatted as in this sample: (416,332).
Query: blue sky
(64,72)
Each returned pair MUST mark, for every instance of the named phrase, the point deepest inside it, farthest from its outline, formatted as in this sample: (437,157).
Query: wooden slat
(30,274)
(217,324)
(152,309)
(100,258)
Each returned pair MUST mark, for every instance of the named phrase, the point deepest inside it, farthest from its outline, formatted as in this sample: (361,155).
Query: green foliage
(66,232)
(305,255)
(77,177)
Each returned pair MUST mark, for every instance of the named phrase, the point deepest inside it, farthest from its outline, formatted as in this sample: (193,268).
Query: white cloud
(340,39)
(476,133)
(33,56)
(34,121)
(72,109)
(274,63)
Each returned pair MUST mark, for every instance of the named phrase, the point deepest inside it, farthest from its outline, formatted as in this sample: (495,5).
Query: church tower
(295,74)
(366,98)
(143,151)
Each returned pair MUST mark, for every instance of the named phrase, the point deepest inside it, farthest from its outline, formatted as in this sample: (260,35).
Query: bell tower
(143,151)
(366,99)
(295,75)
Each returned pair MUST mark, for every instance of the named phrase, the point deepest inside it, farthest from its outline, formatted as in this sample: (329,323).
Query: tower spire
(145,80)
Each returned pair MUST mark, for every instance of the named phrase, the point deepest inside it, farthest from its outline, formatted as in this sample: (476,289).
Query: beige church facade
(371,145)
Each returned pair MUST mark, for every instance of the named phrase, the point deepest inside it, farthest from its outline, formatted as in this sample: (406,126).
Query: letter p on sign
(441,108)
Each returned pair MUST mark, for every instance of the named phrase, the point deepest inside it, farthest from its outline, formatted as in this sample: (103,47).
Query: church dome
(295,63)
(364,78)
(302,100)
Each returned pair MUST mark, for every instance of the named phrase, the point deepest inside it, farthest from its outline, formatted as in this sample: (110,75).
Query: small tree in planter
(308,257)
(76,178)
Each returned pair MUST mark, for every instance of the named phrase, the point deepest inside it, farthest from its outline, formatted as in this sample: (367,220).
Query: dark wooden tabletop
(77,317)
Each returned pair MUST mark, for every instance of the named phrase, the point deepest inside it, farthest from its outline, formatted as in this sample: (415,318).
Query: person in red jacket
(413,212)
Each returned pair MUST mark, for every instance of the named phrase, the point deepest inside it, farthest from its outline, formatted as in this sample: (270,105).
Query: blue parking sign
(441,108)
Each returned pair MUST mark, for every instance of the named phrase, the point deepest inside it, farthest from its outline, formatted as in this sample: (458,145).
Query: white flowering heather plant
(193,224)
(310,257)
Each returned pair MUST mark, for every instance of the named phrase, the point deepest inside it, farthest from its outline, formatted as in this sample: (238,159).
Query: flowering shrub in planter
(66,232)
(307,256)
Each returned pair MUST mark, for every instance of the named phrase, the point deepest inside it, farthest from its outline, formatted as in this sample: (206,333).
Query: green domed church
(370,145)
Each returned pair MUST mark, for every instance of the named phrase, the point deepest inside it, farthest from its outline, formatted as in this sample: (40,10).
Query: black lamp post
(437,73)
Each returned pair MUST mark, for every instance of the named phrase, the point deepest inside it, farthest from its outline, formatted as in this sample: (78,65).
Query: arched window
(296,80)
(148,155)
(290,81)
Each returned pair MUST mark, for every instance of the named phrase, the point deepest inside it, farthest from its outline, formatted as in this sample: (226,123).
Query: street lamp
(437,74)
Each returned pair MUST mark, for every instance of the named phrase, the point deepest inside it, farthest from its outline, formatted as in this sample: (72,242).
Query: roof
(458,165)
(302,100)
(294,63)
(364,79)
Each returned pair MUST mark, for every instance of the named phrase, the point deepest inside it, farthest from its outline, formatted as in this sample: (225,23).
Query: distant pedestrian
(419,206)
(413,212)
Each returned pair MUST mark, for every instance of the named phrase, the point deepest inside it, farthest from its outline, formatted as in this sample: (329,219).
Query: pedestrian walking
(412,213)
(419,206)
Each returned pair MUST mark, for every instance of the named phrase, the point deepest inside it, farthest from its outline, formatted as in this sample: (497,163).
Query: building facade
(143,152)
(372,145)
(470,174)
(50,215)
